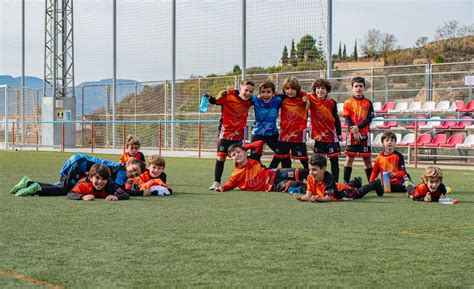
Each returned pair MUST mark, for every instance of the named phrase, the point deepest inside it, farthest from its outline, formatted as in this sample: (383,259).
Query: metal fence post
(244,39)
(6,117)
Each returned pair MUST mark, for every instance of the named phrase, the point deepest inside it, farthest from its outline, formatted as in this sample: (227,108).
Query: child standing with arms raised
(358,113)
(235,108)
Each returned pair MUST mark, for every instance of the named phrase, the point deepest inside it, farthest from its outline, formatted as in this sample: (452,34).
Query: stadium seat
(386,107)
(409,138)
(457,104)
(422,140)
(376,121)
(446,124)
(428,106)
(469,107)
(468,142)
(432,123)
(463,124)
(420,123)
(414,106)
(438,140)
(442,106)
(400,107)
(389,124)
(377,141)
(453,140)
(378,106)
(340,108)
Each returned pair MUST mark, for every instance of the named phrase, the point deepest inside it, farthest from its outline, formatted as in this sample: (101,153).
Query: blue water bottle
(204,102)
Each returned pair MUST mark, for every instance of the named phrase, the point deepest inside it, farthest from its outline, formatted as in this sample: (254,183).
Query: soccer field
(199,238)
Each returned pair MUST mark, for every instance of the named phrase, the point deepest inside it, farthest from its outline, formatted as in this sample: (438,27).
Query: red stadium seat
(422,140)
(388,124)
(447,124)
(386,107)
(463,124)
(469,107)
(438,140)
(420,123)
(454,140)
(458,104)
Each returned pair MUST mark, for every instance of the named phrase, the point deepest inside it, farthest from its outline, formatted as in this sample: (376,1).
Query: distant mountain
(94,91)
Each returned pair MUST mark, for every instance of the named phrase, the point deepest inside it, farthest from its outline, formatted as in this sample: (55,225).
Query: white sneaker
(214,186)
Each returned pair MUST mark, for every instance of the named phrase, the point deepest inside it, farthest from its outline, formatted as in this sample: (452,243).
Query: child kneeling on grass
(250,175)
(97,184)
(322,187)
(393,163)
(432,187)
(152,181)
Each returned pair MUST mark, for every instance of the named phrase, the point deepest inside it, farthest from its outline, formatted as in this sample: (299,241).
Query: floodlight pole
(244,39)
(329,39)
(22,70)
(114,77)
(173,70)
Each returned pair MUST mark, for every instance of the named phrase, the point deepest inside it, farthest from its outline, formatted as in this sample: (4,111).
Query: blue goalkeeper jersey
(266,115)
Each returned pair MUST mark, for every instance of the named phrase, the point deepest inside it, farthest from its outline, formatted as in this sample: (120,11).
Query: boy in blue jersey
(266,106)
(75,168)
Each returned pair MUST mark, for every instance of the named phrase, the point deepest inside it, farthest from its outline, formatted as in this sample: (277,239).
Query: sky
(208,32)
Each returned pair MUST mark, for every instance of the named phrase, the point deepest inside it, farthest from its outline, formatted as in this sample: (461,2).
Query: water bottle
(204,103)
(386,182)
(446,201)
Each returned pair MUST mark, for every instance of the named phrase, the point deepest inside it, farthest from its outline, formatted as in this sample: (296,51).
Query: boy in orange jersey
(392,161)
(358,113)
(432,187)
(152,181)
(235,108)
(325,124)
(250,175)
(97,185)
(133,147)
(322,187)
(293,121)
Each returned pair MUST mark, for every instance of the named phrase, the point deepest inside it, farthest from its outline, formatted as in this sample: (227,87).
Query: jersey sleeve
(375,171)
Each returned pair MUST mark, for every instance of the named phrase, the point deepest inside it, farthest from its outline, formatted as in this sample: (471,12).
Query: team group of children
(86,178)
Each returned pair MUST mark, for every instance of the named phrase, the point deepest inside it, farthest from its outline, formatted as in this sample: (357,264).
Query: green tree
(284,56)
(293,58)
(236,70)
(344,54)
(306,49)
(355,54)
(339,52)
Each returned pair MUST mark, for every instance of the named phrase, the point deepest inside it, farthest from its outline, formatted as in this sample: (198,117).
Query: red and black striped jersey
(325,122)
(293,118)
(252,177)
(393,162)
(234,115)
(360,112)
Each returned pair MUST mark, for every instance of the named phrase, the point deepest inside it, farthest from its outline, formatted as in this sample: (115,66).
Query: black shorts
(358,150)
(224,144)
(272,141)
(289,177)
(298,150)
(331,149)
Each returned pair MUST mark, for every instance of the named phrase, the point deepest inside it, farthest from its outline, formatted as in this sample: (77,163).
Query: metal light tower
(58,89)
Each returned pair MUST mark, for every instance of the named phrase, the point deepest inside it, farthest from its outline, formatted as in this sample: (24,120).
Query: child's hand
(147,192)
(354,129)
(88,198)
(297,196)
(222,93)
(219,189)
(428,197)
(111,198)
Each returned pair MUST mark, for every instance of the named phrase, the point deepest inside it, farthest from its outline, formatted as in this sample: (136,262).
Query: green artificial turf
(199,238)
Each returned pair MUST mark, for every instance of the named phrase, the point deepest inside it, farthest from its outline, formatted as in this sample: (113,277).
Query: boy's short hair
(388,135)
(267,84)
(141,164)
(321,82)
(318,160)
(247,82)
(100,170)
(291,82)
(233,147)
(358,79)
(133,140)
(433,172)
(156,160)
